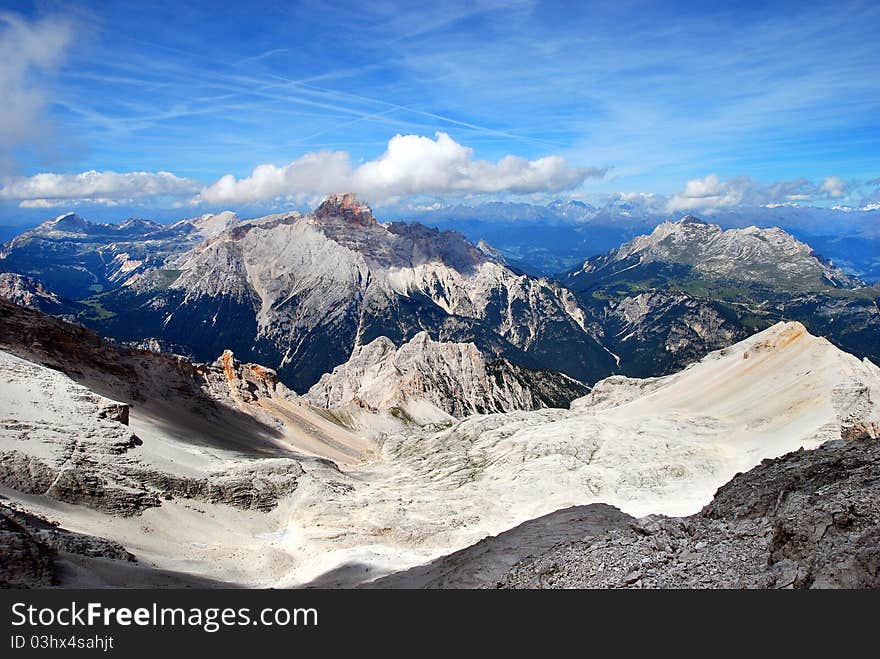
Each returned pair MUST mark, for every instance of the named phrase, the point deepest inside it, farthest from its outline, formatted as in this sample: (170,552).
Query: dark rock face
(24,561)
(810,519)
(657,333)
(548,388)
(30,546)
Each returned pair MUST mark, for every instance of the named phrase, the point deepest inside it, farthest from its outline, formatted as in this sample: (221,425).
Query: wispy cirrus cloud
(27,51)
(779,91)
(412,165)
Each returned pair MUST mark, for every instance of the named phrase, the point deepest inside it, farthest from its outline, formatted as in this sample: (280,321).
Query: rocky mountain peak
(68,223)
(139,224)
(62,217)
(211,225)
(691,219)
(689,225)
(430,379)
(771,256)
(345,206)
(687,230)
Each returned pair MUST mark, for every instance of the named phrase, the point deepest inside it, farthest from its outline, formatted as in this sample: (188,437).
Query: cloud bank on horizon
(697,110)
(412,165)
(711,193)
(48,190)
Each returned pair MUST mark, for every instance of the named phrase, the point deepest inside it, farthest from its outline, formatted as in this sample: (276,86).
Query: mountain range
(689,287)
(300,292)
(553,238)
(323,399)
(75,257)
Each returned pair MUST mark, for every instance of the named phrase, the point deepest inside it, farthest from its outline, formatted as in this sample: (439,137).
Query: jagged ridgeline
(299,292)
(76,258)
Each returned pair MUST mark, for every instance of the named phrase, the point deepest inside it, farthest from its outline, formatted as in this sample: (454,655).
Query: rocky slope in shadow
(60,440)
(484,563)
(65,428)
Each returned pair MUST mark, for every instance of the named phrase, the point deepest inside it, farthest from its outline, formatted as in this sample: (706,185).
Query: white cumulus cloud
(708,193)
(310,175)
(411,165)
(47,190)
(834,187)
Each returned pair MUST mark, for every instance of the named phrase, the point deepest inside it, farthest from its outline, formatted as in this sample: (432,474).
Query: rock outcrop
(345,207)
(257,485)
(61,440)
(29,292)
(455,378)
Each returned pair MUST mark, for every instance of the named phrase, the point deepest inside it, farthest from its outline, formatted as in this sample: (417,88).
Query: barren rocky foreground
(123,467)
(810,519)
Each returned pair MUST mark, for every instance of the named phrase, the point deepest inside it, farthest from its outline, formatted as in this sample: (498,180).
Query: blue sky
(772,99)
